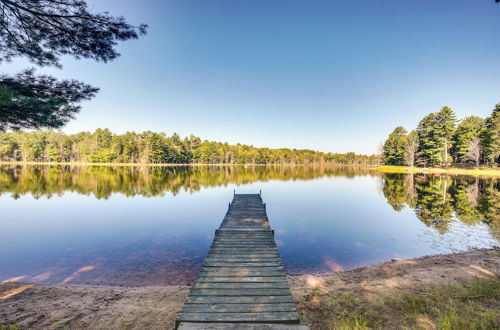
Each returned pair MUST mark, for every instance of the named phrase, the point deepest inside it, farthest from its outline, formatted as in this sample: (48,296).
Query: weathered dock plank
(239,292)
(242,280)
(242,285)
(239,300)
(285,317)
(240,308)
(240,326)
(255,272)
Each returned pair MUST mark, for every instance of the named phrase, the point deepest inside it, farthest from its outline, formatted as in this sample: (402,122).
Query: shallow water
(136,226)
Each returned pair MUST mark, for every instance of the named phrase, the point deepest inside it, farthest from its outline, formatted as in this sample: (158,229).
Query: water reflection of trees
(438,199)
(103,181)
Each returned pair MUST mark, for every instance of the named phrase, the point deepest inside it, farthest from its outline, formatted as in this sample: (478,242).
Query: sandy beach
(55,306)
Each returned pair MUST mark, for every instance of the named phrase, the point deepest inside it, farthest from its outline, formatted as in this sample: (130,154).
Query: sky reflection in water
(153,226)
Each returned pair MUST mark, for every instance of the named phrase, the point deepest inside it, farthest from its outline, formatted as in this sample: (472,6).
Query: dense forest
(439,141)
(102,146)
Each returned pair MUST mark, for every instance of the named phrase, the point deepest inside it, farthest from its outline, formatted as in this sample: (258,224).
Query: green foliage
(30,101)
(103,146)
(8,327)
(42,31)
(437,141)
(434,133)
(429,150)
(394,147)
(468,129)
(491,137)
(446,126)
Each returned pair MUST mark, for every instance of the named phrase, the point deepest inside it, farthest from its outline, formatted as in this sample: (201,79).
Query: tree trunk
(446,152)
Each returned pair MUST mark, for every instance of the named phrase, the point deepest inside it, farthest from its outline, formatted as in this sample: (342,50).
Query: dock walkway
(242,279)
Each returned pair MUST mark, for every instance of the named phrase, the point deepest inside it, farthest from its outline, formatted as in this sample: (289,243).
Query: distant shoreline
(173,164)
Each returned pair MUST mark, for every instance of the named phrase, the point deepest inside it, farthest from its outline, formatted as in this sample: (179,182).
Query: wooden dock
(242,280)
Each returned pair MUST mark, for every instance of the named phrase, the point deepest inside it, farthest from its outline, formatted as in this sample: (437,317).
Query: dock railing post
(260,192)
(234,192)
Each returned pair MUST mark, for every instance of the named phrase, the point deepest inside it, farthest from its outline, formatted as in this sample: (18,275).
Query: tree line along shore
(103,146)
(439,142)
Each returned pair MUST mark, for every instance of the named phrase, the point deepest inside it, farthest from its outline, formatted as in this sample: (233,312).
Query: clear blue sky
(326,75)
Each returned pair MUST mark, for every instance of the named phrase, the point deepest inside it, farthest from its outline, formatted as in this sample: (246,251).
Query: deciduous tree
(474,150)
(470,128)
(411,147)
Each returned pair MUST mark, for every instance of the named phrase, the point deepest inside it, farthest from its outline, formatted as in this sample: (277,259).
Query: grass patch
(472,306)
(8,327)
(457,171)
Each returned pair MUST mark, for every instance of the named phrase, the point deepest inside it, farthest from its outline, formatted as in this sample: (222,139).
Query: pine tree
(43,31)
(470,128)
(490,139)
(446,125)
(394,147)
(429,149)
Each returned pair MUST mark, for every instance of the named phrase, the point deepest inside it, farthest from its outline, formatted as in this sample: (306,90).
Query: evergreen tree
(435,132)
(445,125)
(31,101)
(429,149)
(394,147)
(490,139)
(470,128)
(42,31)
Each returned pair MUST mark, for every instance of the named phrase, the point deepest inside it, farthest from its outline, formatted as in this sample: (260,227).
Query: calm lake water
(135,226)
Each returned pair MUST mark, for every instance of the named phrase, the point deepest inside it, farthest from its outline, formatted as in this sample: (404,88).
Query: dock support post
(260,192)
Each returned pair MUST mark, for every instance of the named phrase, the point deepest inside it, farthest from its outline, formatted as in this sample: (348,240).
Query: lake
(138,226)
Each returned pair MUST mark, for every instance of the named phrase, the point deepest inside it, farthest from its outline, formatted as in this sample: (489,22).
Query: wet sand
(52,306)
